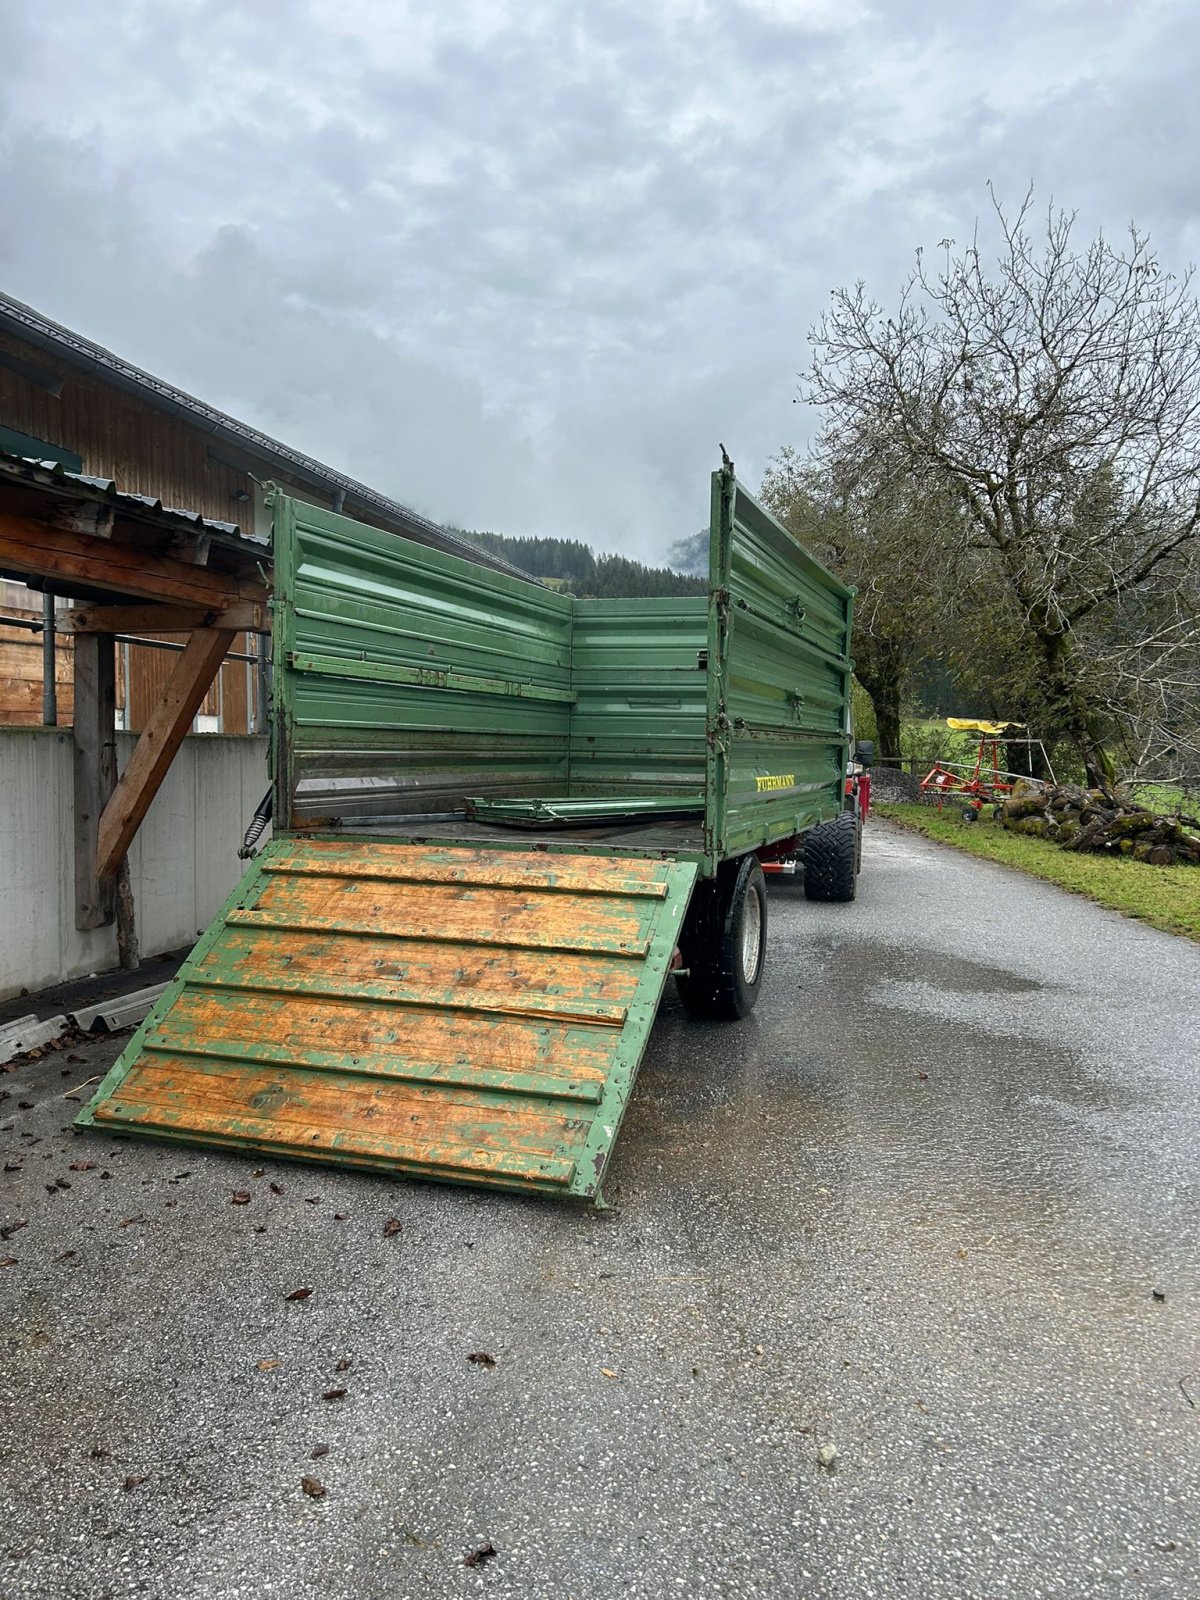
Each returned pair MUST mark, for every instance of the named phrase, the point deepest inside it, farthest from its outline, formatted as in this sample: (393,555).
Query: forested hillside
(577,569)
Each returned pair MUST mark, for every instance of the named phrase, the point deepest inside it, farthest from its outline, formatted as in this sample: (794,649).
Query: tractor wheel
(970,814)
(723,943)
(831,859)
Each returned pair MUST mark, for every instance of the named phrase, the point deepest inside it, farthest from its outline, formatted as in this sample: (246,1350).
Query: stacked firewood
(1104,821)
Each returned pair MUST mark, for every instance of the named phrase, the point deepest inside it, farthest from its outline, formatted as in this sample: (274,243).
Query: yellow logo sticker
(780,780)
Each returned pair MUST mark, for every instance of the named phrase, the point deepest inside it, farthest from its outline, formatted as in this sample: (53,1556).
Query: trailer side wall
(637,726)
(408,678)
(779,683)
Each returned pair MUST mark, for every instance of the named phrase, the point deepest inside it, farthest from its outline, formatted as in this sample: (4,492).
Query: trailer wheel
(724,943)
(831,859)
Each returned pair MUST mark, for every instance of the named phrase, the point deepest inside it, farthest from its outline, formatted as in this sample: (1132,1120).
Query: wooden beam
(244,614)
(95,740)
(194,671)
(85,516)
(29,546)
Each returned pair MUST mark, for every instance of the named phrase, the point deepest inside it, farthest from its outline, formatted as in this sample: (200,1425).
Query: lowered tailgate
(474,1015)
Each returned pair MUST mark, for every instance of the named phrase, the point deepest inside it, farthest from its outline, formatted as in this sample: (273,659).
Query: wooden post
(164,732)
(95,742)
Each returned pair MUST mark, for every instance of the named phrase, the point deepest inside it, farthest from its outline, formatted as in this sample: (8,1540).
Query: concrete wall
(183,863)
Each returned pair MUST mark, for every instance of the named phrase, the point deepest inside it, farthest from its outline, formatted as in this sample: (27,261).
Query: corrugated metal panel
(408,679)
(779,680)
(639,680)
(472,1015)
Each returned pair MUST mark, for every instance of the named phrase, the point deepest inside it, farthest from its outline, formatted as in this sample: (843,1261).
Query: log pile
(1102,821)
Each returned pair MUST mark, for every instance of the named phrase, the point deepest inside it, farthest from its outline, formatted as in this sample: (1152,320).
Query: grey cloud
(529,282)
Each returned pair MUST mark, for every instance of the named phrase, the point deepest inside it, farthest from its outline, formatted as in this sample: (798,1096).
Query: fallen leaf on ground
(319,1451)
(276,1188)
(478,1557)
(392,1227)
(343,1365)
(482,1359)
(607,1372)
(82,1166)
(312,1486)
(241,1197)
(962,1252)
(269,1365)
(10,1228)
(98,1452)
(334,1394)
(923,1076)
(339,1216)
(1158,1294)
(12,1166)
(298,1294)
(8,1261)
(132,1481)
(127,1220)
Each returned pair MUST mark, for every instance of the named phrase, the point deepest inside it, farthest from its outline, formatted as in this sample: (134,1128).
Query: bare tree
(862,513)
(1056,392)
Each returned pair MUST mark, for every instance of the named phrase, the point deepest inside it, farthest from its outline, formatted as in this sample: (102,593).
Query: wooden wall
(21,662)
(146,451)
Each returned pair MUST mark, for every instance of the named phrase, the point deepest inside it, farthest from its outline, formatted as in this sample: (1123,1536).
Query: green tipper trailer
(503,817)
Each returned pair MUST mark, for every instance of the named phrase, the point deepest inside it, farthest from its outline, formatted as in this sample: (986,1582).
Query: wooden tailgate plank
(452,913)
(287,959)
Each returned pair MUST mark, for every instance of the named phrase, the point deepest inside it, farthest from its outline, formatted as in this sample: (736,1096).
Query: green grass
(1165,897)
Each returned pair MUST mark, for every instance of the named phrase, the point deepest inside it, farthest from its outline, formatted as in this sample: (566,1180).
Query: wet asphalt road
(916,1207)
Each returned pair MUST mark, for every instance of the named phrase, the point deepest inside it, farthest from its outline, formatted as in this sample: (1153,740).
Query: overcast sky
(522,265)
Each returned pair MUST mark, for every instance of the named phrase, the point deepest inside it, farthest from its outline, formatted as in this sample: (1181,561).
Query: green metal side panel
(779,679)
(638,673)
(406,678)
(454,1012)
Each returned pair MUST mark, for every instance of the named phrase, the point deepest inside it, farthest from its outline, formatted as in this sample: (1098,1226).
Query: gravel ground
(916,1209)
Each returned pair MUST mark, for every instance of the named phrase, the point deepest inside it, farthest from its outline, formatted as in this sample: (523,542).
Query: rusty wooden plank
(454,912)
(502,1002)
(400,1122)
(359,1028)
(262,959)
(551,1085)
(451,864)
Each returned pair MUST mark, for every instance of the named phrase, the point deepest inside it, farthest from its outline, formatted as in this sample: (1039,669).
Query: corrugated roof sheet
(53,475)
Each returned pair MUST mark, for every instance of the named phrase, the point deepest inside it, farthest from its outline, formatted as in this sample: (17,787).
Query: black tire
(831,858)
(970,814)
(724,942)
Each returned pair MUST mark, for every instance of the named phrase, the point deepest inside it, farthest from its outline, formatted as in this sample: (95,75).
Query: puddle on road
(868,964)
